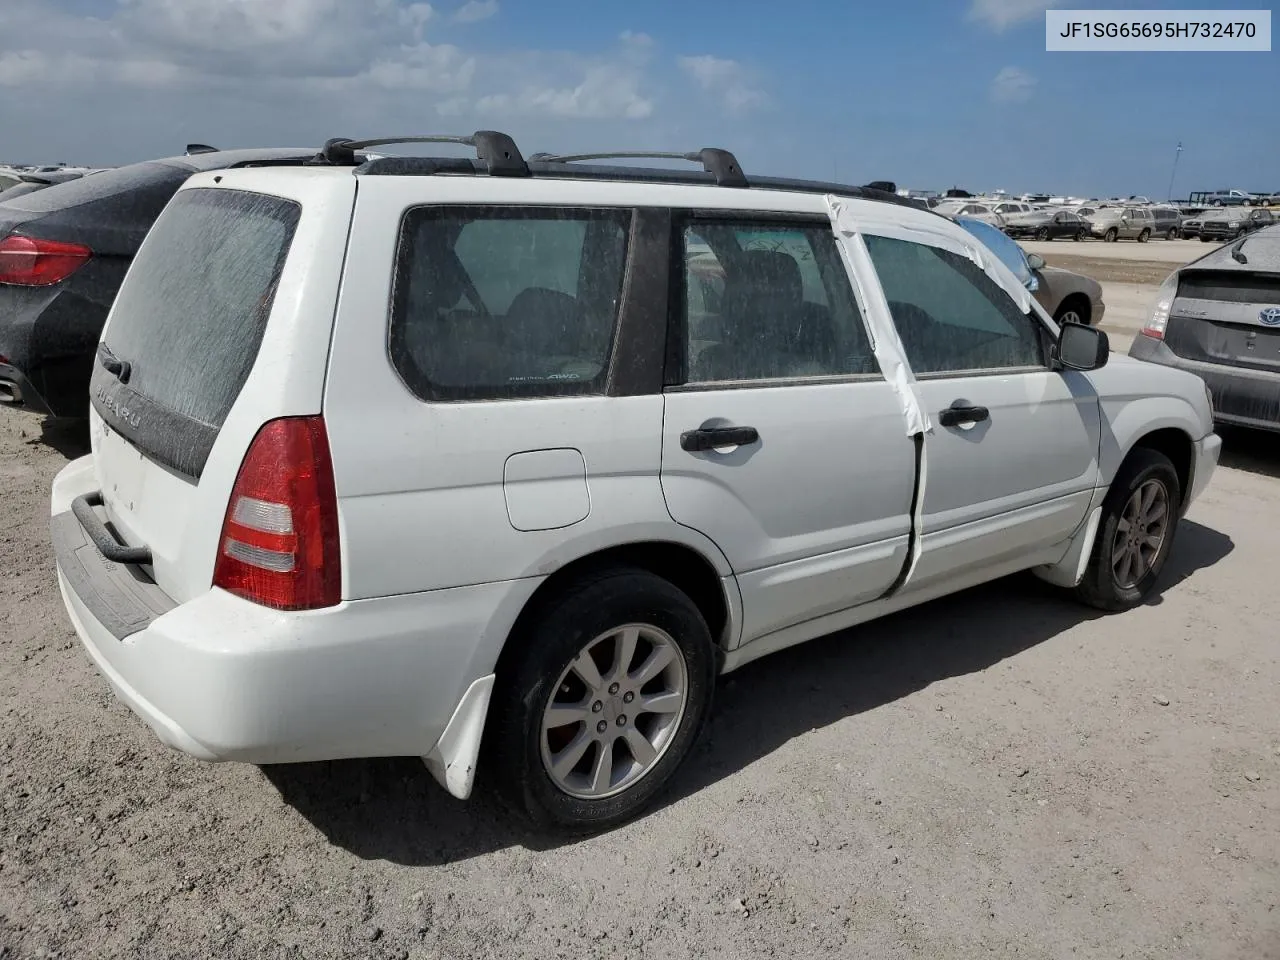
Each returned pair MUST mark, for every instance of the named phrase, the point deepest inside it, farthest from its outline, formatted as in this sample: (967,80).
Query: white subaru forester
(415,456)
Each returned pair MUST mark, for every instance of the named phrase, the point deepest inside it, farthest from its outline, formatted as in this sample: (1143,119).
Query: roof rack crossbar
(496,150)
(721,164)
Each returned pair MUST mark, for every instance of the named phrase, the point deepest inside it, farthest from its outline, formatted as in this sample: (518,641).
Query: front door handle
(960,413)
(708,438)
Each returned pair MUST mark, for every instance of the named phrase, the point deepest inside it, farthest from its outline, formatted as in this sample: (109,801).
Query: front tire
(608,690)
(1042,233)
(1136,532)
(1111,236)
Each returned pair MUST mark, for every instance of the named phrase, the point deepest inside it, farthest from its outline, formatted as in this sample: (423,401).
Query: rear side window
(499,303)
(190,317)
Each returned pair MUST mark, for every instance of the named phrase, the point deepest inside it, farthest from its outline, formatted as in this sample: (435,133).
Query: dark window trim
(983,372)
(676,373)
(597,386)
(704,386)
(640,336)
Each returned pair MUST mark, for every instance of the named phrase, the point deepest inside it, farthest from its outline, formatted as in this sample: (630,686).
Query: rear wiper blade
(1236,253)
(118,368)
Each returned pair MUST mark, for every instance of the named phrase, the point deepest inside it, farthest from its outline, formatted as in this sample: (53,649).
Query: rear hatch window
(189,320)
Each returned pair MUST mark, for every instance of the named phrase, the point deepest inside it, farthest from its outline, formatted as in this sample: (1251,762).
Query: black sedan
(1047,225)
(64,251)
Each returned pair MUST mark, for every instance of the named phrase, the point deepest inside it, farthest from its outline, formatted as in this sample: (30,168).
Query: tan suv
(1122,223)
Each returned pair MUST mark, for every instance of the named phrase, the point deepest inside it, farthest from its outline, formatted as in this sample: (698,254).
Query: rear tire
(531,755)
(1172,234)
(1144,236)
(1081,234)
(1139,519)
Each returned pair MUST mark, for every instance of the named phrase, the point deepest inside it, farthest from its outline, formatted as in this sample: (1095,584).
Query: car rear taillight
(29,262)
(1158,320)
(279,545)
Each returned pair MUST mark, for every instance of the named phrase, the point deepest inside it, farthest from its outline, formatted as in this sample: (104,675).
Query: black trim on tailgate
(172,439)
(119,596)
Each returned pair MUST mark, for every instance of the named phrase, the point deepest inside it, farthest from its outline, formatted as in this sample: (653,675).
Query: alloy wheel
(614,711)
(1140,534)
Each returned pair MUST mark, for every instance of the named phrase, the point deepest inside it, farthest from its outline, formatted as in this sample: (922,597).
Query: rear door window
(190,316)
(493,303)
(782,306)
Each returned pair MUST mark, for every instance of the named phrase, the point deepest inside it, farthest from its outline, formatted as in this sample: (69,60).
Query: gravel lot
(1000,773)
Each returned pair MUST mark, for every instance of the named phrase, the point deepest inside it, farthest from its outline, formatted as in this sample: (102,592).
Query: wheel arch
(1176,444)
(690,569)
(1080,301)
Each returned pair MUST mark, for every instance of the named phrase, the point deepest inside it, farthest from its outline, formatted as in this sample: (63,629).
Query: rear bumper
(221,678)
(1241,397)
(17,391)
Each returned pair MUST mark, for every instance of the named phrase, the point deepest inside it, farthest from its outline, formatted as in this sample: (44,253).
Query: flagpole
(1175,170)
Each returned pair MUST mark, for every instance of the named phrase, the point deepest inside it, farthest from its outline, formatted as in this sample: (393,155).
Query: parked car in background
(1168,222)
(1191,225)
(1122,223)
(967,208)
(8,180)
(1067,297)
(1219,318)
(1238,222)
(1047,225)
(1012,208)
(369,477)
(1082,210)
(63,254)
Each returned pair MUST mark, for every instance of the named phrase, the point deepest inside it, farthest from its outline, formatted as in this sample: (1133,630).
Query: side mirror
(1082,347)
(1035,261)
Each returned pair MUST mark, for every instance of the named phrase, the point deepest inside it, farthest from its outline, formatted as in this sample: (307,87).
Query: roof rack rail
(721,164)
(496,150)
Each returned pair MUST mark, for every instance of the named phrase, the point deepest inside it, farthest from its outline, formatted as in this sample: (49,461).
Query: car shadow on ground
(392,810)
(69,437)
(1257,451)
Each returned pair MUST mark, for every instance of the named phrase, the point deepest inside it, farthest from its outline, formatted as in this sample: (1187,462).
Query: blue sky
(930,93)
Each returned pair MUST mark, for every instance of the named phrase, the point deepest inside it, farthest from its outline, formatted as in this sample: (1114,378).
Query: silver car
(1123,223)
(1219,317)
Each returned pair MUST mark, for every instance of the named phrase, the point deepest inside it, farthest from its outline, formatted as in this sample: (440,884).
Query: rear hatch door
(1228,317)
(222,324)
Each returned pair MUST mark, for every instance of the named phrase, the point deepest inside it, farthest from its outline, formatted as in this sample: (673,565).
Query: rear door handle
(708,438)
(960,413)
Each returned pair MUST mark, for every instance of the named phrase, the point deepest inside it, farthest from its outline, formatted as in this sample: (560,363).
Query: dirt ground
(1001,773)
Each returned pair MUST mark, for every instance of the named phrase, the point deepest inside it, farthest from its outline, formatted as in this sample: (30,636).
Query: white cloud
(246,72)
(726,80)
(610,86)
(1002,14)
(1012,85)
(475,10)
